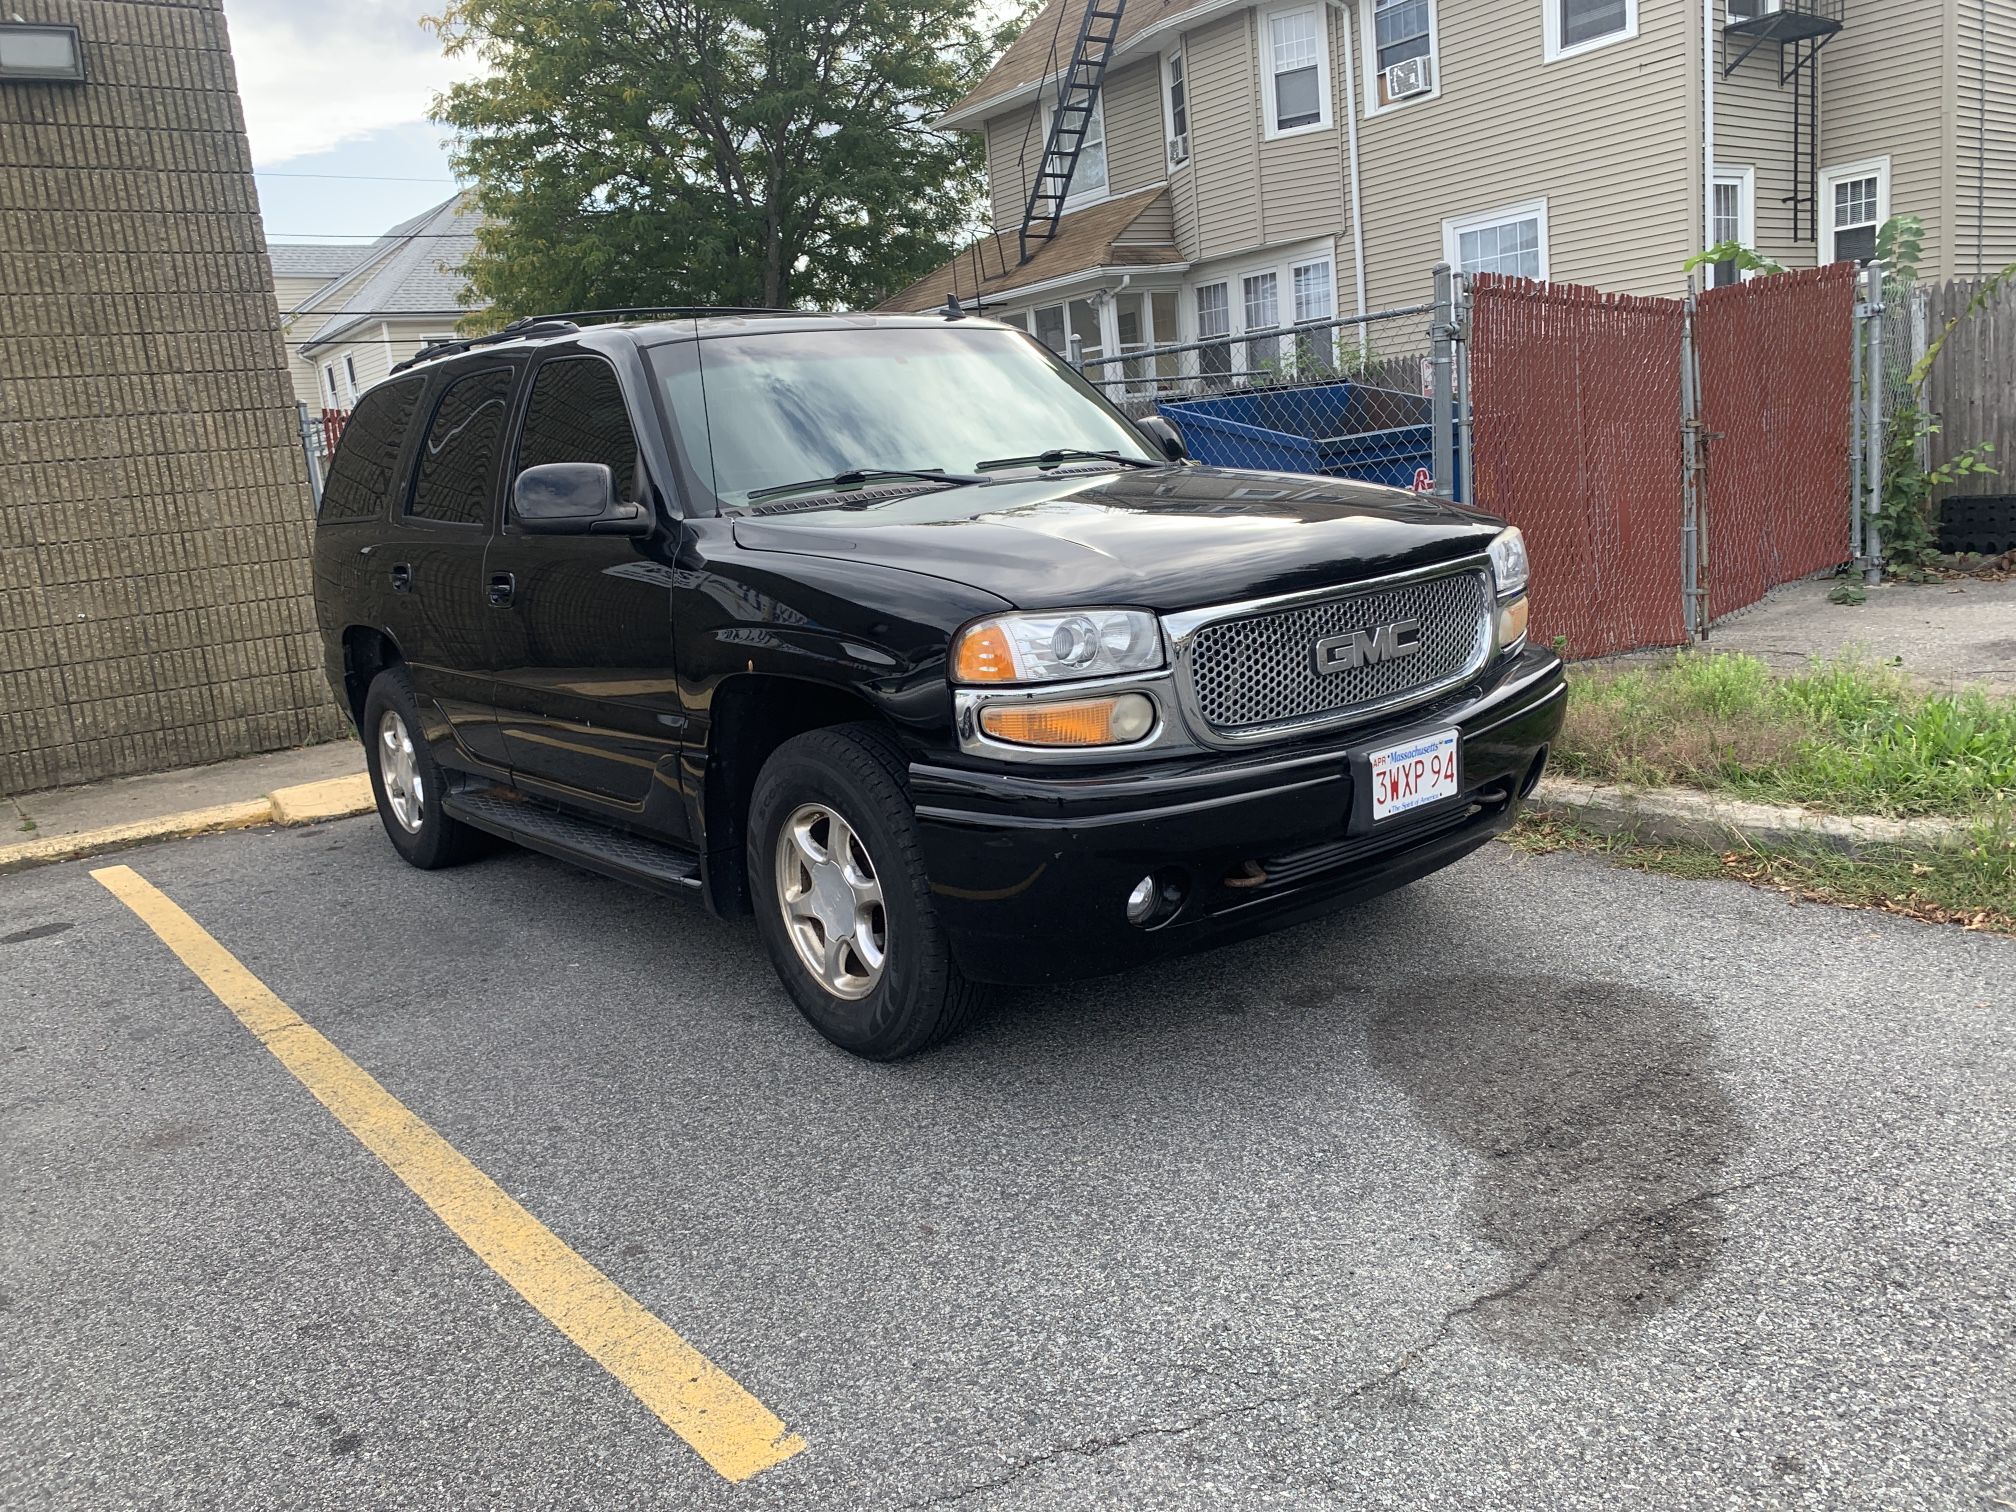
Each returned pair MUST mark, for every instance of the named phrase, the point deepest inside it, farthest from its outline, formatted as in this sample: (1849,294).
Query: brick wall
(155,606)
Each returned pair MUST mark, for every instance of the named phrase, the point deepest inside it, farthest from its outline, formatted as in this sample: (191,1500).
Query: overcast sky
(341,88)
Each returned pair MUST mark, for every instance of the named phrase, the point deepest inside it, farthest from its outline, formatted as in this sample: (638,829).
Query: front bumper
(1031,870)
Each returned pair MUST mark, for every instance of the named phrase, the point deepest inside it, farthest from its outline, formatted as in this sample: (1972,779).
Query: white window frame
(1270,100)
(1877,168)
(1078,199)
(1368,52)
(1764,8)
(1745,180)
(329,384)
(1555,52)
(350,377)
(1454,227)
(1169,60)
(1280,261)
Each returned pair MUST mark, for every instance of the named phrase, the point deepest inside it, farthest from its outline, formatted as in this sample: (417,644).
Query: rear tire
(408,782)
(837,876)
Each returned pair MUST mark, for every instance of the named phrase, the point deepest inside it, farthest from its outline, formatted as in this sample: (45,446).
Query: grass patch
(1842,736)
(1973,886)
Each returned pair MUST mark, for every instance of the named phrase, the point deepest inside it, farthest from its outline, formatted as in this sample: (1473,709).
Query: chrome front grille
(1248,675)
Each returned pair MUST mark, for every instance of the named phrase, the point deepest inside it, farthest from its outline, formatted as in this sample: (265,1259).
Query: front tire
(841,901)
(407,781)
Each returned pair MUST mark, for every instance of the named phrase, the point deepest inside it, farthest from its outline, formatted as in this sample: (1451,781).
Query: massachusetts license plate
(1419,772)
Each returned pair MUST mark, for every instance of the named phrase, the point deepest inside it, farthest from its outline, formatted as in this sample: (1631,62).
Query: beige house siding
(1753,129)
(1014,142)
(1983,173)
(1609,138)
(1883,83)
(1224,175)
(1135,154)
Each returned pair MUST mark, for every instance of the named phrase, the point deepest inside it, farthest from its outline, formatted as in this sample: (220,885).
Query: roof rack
(567,322)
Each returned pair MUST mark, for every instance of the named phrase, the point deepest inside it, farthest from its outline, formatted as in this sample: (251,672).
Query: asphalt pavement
(1539,1184)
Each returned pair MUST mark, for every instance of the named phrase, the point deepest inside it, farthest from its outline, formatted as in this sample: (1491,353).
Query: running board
(583,842)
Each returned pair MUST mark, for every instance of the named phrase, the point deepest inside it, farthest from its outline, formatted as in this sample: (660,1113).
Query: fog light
(1141,901)
(1117,720)
(1511,623)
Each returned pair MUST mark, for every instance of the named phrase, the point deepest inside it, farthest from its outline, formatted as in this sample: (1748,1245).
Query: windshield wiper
(1067,454)
(864,475)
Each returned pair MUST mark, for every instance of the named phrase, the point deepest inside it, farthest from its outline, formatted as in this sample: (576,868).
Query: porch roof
(1087,241)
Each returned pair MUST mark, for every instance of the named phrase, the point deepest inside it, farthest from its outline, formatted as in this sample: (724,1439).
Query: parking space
(1536,1184)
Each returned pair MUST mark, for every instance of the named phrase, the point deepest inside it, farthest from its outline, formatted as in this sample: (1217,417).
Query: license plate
(1406,776)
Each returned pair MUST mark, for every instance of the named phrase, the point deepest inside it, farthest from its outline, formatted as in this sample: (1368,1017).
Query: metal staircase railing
(1071,118)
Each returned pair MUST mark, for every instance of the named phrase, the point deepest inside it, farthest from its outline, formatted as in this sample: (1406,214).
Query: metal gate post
(1441,385)
(1858,405)
(1873,534)
(1693,538)
(1466,472)
(309,426)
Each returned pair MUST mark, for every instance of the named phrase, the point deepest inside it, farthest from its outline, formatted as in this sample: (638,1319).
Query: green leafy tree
(737,152)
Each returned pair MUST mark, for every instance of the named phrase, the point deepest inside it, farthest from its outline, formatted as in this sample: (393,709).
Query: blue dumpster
(1347,430)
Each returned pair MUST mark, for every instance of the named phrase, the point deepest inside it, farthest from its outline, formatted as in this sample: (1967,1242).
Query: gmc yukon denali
(897,633)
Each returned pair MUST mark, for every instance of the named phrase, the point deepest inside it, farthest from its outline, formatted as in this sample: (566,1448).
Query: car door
(586,684)
(433,561)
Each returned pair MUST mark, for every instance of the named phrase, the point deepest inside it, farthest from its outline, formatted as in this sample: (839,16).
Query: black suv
(895,631)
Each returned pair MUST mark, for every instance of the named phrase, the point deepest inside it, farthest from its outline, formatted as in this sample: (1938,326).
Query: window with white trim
(1088,179)
(329,383)
(1511,241)
(1732,218)
(1315,294)
(1262,296)
(1750,10)
(1579,26)
(1175,109)
(1214,318)
(1293,48)
(1397,32)
(1854,203)
(350,375)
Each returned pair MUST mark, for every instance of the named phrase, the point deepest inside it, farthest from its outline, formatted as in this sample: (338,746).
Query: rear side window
(458,460)
(576,414)
(362,472)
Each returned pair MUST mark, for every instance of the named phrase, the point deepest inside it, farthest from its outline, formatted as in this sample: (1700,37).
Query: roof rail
(626,312)
(530,326)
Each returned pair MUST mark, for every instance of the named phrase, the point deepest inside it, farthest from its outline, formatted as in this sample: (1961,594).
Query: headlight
(1020,648)
(1508,561)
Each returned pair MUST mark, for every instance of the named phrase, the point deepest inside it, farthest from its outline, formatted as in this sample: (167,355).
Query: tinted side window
(361,472)
(576,414)
(458,460)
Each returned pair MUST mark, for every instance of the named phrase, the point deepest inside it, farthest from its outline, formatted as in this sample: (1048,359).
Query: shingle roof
(415,270)
(312,259)
(1028,58)
(1085,239)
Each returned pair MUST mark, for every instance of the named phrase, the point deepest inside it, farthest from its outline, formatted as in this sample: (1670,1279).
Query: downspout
(1350,106)
(1707,204)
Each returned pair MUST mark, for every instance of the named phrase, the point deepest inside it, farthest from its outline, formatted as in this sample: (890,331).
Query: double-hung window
(1315,305)
(350,376)
(1854,202)
(1511,241)
(1297,82)
(1262,293)
(1088,179)
(1214,320)
(1577,26)
(1731,219)
(1176,109)
(1399,35)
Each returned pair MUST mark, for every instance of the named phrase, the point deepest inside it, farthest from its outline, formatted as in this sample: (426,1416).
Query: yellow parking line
(699,1401)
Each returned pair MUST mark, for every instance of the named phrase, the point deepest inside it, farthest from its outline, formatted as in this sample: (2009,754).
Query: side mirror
(574,498)
(1166,436)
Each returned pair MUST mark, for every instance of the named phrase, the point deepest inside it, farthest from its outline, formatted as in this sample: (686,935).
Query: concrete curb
(1681,816)
(309,803)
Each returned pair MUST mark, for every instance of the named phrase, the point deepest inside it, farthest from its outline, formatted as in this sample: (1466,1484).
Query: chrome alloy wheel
(399,770)
(832,901)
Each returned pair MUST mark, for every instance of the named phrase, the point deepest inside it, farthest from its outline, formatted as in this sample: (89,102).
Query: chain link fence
(1343,397)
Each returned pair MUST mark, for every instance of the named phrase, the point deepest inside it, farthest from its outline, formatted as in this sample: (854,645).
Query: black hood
(1167,538)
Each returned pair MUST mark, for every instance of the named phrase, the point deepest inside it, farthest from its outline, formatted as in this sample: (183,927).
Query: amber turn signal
(1512,621)
(1119,720)
(983,655)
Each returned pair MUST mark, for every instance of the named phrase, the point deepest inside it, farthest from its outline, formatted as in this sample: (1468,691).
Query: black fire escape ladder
(1800,28)
(1077,98)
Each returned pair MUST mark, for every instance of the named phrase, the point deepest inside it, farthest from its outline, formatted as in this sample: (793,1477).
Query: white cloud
(314,75)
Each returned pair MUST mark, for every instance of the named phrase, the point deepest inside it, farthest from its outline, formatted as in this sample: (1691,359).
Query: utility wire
(373,178)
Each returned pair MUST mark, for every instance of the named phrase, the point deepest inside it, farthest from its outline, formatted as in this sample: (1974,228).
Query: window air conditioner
(1413,76)
(1179,147)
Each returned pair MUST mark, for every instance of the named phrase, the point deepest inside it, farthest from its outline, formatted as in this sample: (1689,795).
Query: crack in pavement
(1409,1358)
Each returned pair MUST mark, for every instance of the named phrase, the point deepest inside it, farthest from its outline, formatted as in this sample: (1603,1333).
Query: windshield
(766,411)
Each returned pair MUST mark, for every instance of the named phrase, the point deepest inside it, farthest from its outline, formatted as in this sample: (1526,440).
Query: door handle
(402,577)
(502,586)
